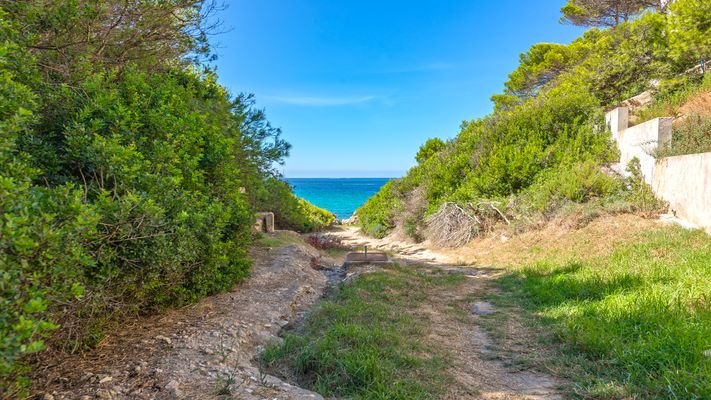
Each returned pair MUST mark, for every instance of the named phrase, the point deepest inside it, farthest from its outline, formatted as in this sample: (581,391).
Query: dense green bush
(121,176)
(378,213)
(43,231)
(543,147)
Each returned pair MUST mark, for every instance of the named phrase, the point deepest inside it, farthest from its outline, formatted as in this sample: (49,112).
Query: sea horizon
(341,196)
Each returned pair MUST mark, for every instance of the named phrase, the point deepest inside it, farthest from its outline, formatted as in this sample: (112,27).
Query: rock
(353,220)
(106,379)
(482,308)
(164,339)
(173,388)
(47,396)
(105,394)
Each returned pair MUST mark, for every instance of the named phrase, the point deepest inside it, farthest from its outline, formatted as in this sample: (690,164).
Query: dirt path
(207,351)
(204,351)
(400,250)
(481,368)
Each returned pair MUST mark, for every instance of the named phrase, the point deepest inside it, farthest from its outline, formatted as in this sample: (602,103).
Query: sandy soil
(699,105)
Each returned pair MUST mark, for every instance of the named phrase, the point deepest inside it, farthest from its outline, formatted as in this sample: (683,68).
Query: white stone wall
(682,181)
(685,182)
(642,142)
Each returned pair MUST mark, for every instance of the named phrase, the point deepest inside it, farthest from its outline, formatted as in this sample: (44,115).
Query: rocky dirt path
(401,250)
(205,351)
(481,366)
(208,350)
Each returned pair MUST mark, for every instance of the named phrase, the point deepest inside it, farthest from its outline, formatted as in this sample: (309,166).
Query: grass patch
(279,239)
(368,340)
(336,253)
(691,137)
(632,323)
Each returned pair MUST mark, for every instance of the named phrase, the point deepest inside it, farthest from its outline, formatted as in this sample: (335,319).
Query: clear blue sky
(358,86)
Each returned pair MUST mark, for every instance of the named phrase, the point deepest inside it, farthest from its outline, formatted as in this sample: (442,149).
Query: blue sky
(358,86)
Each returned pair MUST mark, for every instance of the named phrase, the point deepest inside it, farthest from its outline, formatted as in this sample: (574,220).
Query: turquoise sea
(341,196)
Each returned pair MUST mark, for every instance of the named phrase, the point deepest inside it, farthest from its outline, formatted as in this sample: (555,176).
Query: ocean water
(341,196)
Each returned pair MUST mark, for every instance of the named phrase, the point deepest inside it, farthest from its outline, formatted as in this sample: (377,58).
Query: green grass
(366,342)
(279,239)
(634,323)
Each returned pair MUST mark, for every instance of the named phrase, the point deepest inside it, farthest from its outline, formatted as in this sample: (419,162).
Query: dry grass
(697,105)
(554,242)
(455,225)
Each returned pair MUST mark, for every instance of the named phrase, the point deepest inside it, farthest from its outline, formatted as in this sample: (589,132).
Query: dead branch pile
(455,225)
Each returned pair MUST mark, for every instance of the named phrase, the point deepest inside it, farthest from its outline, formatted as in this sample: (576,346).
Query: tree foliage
(70,37)
(604,12)
(429,149)
(690,31)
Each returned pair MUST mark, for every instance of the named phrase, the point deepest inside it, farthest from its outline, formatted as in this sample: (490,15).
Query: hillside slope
(540,154)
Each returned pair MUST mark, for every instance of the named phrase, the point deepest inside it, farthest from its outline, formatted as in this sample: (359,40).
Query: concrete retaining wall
(685,182)
(682,181)
(642,142)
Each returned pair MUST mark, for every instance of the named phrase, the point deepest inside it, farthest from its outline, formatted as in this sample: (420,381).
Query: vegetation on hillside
(121,167)
(540,152)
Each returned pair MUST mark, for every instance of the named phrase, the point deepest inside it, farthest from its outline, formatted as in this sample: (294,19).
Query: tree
(538,66)
(690,31)
(608,13)
(430,148)
(73,38)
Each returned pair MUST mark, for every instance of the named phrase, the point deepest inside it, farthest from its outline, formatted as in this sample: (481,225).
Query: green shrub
(122,187)
(578,183)
(378,213)
(44,235)
(317,217)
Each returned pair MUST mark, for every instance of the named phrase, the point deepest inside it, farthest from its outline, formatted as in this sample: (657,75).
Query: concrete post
(665,132)
(264,222)
(618,120)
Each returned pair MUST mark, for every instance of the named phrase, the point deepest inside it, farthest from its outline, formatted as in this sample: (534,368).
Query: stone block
(264,222)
